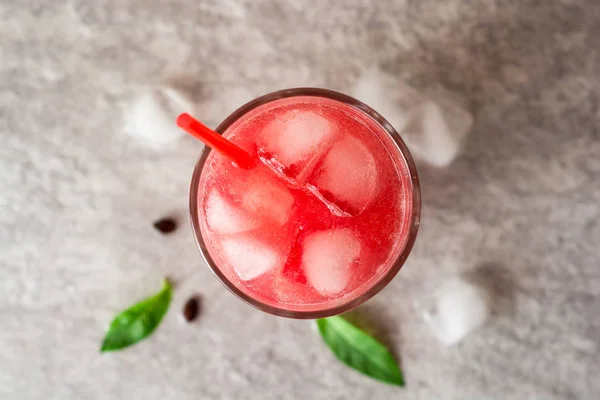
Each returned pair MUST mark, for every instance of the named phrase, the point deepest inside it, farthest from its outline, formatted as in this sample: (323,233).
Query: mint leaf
(138,321)
(359,350)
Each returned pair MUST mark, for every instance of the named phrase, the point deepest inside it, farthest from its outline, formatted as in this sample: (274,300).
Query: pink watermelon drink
(326,216)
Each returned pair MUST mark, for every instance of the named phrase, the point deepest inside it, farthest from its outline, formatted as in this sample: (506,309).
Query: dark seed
(165,225)
(191,308)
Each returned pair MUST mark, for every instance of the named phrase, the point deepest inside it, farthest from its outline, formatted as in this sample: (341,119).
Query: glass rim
(393,269)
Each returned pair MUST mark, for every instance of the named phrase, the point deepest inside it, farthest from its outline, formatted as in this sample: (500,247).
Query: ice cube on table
(387,95)
(295,139)
(224,218)
(349,174)
(329,258)
(436,131)
(153,112)
(249,257)
(433,125)
(263,197)
(459,307)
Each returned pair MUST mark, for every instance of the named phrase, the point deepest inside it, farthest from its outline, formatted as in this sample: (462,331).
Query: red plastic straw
(215,141)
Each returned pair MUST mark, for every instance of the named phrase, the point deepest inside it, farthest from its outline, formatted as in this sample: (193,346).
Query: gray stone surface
(519,209)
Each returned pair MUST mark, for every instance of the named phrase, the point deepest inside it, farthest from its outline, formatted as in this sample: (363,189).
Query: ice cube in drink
(347,177)
(324,215)
(224,217)
(293,141)
(329,259)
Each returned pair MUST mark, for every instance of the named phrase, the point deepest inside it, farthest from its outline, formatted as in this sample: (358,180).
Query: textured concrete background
(519,208)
